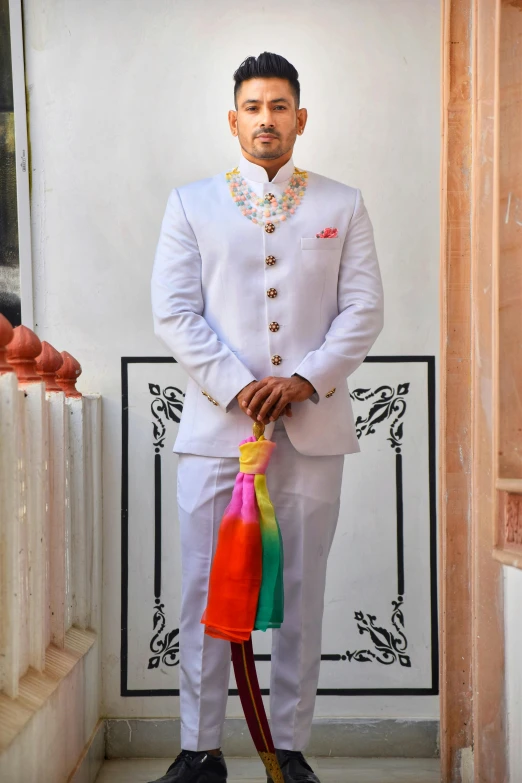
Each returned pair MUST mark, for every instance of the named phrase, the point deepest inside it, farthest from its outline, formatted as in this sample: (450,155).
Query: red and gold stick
(253,707)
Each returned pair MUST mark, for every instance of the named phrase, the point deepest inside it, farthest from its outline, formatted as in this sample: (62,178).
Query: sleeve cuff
(315,396)
(248,378)
(321,370)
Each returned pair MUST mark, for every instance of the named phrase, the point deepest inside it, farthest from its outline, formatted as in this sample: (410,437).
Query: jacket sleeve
(178,306)
(360,304)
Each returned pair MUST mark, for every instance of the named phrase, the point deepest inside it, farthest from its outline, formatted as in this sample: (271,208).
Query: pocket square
(328,233)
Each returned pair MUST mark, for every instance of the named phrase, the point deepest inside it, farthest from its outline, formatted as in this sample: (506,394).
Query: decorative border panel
(381,412)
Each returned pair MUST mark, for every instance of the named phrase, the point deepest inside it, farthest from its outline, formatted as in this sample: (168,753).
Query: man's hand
(268,399)
(245,395)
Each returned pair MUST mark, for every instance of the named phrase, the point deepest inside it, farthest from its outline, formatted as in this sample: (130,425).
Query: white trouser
(305,492)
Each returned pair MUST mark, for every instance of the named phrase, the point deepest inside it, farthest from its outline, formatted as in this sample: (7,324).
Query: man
(266,288)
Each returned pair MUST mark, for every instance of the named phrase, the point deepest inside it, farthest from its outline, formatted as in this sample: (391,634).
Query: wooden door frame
(473,742)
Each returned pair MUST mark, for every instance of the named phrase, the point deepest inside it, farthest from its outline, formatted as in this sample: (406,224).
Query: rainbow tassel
(246,581)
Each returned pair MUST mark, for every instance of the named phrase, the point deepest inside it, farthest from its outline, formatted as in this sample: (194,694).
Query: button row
(272,292)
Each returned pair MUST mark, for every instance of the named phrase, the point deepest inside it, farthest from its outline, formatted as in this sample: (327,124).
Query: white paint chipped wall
(128,99)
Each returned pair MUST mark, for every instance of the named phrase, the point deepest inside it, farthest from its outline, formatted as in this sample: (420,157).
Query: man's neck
(270,166)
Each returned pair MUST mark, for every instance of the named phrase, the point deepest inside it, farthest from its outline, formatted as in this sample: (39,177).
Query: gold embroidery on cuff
(209,398)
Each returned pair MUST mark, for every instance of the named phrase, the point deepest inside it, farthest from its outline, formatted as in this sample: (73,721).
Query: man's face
(267,120)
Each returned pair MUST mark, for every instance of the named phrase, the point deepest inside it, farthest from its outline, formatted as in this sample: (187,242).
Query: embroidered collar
(256,173)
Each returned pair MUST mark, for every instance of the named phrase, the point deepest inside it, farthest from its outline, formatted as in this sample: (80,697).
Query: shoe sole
(212,779)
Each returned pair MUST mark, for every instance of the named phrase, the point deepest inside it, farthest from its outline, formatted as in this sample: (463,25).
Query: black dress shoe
(195,767)
(294,767)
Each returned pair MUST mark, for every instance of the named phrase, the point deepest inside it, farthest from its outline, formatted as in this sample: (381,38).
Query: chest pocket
(321,245)
(320,256)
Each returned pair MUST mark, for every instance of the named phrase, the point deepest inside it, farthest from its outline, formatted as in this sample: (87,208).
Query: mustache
(267,133)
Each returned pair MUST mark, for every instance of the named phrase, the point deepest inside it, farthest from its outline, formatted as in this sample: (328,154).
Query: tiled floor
(329,770)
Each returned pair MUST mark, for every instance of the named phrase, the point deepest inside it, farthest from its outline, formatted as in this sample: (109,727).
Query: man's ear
(302,118)
(232,121)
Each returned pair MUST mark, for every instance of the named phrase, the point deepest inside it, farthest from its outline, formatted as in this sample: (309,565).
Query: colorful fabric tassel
(246,580)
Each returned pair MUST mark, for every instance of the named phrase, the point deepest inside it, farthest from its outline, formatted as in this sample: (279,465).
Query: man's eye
(280,107)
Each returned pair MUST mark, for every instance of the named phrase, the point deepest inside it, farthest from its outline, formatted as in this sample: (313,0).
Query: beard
(268,154)
(262,151)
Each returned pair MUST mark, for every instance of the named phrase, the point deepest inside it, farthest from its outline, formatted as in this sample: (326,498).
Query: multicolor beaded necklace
(269,209)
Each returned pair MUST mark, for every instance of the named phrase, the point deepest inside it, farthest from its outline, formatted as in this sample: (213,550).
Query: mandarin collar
(257,173)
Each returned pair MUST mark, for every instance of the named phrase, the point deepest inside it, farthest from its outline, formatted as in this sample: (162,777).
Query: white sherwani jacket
(212,310)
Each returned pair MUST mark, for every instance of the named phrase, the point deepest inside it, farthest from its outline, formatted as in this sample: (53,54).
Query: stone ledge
(36,687)
(361,737)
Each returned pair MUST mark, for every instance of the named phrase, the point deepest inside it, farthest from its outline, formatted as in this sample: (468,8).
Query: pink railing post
(21,354)
(6,335)
(47,365)
(68,374)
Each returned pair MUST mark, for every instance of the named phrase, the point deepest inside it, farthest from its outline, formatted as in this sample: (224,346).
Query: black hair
(267,66)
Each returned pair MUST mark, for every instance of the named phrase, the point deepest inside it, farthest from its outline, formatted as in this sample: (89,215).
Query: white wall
(128,99)
(513,631)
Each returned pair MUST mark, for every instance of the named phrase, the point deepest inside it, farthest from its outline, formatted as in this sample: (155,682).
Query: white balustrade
(59,513)
(10,521)
(50,504)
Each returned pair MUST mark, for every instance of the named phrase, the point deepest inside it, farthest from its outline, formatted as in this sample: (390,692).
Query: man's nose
(267,119)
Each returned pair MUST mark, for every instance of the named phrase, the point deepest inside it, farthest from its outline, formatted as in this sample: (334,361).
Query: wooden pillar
(473,743)
(455,417)
(487,579)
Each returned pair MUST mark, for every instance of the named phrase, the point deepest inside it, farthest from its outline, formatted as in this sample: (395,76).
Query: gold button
(274,326)
(269,228)
(270,260)
(269,197)
(330,393)
(276,359)
(271,293)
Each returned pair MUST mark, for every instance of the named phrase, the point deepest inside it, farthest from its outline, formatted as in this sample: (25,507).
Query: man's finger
(249,392)
(266,409)
(279,408)
(257,400)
